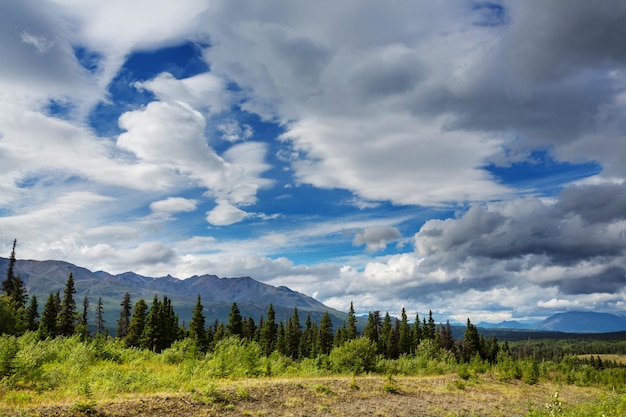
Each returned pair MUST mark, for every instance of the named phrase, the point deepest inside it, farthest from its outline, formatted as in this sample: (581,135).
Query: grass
(335,396)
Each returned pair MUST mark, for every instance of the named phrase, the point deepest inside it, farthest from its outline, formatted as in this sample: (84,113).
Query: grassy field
(445,395)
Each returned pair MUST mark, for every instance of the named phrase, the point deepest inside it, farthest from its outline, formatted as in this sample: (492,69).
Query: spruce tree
(417,334)
(249,329)
(307,341)
(48,324)
(67,314)
(137,324)
(125,315)
(32,314)
(326,334)
(269,331)
(471,342)
(281,345)
(13,286)
(153,328)
(99,319)
(197,331)
(388,340)
(373,328)
(351,331)
(404,335)
(293,335)
(82,328)
(429,327)
(235,321)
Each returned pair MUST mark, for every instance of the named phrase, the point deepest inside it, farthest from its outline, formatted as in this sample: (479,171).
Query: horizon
(459,157)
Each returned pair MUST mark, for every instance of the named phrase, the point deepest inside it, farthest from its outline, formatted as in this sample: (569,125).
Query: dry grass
(331,396)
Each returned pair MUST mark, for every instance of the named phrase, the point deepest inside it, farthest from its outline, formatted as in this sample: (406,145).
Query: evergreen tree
(84,318)
(125,315)
(32,314)
(219,334)
(197,331)
(269,332)
(281,345)
(249,329)
(417,334)
(82,328)
(404,335)
(13,286)
(351,333)
(471,342)
(137,324)
(235,321)
(67,315)
(446,338)
(293,333)
(307,340)
(340,335)
(48,325)
(326,334)
(430,327)
(388,339)
(373,327)
(99,319)
(153,328)
(170,329)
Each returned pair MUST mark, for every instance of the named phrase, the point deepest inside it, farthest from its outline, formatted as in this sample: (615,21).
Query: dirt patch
(341,396)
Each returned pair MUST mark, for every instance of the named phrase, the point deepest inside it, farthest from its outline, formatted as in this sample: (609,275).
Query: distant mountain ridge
(568,322)
(252,297)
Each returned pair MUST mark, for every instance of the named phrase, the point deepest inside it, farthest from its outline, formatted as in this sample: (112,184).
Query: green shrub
(355,356)
(8,351)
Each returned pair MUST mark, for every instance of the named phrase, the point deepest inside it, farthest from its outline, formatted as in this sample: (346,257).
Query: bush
(355,356)
(8,351)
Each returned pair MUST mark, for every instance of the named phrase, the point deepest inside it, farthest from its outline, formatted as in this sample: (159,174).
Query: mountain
(583,322)
(511,324)
(42,278)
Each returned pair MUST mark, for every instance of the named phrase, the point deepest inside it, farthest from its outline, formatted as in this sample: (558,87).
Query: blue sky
(459,157)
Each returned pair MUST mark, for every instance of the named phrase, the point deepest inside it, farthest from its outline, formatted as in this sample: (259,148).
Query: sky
(465,157)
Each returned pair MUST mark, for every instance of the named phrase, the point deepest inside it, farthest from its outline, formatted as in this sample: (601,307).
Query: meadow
(67,376)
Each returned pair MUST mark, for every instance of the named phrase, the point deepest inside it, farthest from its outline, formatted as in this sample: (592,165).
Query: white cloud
(174,205)
(225,214)
(376,238)
(202,91)
(234,132)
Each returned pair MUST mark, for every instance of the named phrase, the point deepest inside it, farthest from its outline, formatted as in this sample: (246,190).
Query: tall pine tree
(235,321)
(13,286)
(197,331)
(32,314)
(67,314)
(351,331)
(48,324)
(125,315)
(269,332)
(99,317)
(137,324)
(326,336)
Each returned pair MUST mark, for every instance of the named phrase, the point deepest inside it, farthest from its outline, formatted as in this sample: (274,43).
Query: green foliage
(8,351)
(391,386)
(355,356)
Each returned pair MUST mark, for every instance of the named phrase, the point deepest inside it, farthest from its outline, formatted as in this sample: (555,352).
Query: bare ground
(333,396)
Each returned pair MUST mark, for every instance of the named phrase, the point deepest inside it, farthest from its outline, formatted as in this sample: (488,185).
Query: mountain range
(568,322)
(41,278)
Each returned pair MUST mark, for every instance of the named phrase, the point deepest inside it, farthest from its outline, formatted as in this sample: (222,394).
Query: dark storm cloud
(598,204)
(581,227)
(611,280)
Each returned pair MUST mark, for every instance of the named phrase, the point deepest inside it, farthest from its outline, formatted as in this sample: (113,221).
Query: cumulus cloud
(202,91)
(225,214)
(575,249)
(376,238)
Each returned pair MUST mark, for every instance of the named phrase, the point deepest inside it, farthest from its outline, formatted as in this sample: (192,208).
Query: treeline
(156,326)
